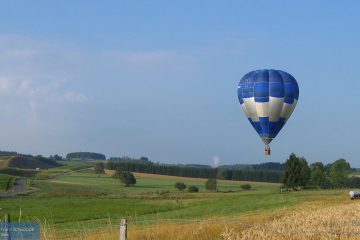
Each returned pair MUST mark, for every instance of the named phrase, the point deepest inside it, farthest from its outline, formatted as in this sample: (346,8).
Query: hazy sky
(159,78)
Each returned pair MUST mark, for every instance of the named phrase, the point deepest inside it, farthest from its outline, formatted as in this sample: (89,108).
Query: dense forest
(85,155)
(145,166)
(8,153)
(275,166)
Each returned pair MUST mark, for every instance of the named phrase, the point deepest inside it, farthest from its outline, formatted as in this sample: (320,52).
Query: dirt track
(68,173)
(20,186)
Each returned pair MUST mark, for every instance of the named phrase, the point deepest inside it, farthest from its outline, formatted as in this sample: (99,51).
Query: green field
(82,199)
(85,196)
(6,181)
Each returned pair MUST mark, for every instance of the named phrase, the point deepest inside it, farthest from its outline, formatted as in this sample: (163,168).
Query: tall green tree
(211,185)
(304,173)
(297,172)
(99,168)
(339,172)
(318,174)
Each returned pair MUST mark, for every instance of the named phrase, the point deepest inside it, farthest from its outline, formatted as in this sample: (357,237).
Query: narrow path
(20,186)
(68,173)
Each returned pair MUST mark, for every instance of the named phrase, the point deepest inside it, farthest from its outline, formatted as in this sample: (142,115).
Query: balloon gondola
(268,98)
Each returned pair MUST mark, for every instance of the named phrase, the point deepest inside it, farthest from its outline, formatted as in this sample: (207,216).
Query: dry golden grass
(159,231)
(336,222)
(315,219)
(210,229)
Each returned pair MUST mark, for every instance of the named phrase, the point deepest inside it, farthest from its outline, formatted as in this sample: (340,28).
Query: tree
(246,186)
(318,174)
(144,159)
(56,157)
(224,173)
(297,172)
(180,186)
(304,172)
(211,185)
(99,168)
(126,177)
(85,155)
(339,171)
(354,182)
(193,189)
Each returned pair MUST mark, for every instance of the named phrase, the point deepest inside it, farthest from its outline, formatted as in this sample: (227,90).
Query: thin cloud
(215,161)
(4,85)
(150,62)
(142,57)
(75,97)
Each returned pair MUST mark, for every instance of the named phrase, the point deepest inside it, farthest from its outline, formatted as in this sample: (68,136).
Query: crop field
(6,181)
(79,203)
(324,223)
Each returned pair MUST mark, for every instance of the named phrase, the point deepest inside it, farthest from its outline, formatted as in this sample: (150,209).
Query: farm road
(20,186)
(68,173)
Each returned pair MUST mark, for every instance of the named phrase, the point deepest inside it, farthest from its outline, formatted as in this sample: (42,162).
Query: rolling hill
(28,163)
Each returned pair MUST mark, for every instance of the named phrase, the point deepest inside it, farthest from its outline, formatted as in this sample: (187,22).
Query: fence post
(123,229)
(7,226)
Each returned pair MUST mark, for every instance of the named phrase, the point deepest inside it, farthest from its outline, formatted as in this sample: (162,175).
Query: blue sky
(159,78)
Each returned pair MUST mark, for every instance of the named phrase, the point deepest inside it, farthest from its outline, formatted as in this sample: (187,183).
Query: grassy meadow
(6,181)
(83,205)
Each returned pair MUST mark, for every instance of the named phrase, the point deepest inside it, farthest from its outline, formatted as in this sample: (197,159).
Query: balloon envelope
(268,98)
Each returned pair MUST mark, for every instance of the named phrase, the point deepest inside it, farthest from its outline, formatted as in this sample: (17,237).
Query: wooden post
(123,229)
(7,224)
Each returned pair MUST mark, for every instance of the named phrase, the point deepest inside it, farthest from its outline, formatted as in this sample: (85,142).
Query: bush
(246,186)
(180,186)
(193,189)
(126,177)
(99,168)
(211,185)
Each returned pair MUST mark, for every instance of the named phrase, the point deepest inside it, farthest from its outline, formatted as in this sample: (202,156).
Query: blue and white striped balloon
(268,98)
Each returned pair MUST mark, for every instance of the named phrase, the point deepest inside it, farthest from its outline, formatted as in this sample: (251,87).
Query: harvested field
(336,222)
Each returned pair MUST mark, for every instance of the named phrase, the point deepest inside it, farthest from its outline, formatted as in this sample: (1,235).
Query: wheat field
(336,222)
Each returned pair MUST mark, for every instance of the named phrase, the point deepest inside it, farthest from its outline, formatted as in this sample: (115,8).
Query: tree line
(85,155)
(298,174)
(260,166)
(132,165)
(8,153)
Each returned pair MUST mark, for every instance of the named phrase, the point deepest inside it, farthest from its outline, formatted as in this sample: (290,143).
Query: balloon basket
(267,151)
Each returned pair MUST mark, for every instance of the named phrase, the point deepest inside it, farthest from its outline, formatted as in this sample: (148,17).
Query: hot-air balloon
(268,97)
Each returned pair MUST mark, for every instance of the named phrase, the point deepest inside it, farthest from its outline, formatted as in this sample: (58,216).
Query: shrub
(246,186)
(180,186)
(193,189)
(127,178)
